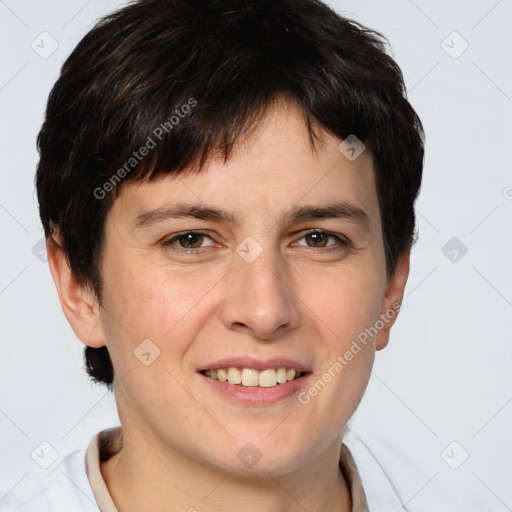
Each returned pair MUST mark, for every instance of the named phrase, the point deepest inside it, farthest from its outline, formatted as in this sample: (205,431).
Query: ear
(392,300)
(78,302)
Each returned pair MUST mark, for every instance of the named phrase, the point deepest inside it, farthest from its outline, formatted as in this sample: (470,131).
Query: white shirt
(77,485)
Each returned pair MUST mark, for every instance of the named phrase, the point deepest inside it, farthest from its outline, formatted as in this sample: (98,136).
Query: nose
(259,299)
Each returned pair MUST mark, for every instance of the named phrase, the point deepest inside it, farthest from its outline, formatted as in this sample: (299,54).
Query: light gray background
(446,374)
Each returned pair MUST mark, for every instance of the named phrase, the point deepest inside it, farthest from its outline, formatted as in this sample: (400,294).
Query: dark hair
(216,66)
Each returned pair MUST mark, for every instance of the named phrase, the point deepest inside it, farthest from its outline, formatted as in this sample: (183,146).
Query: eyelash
(168,244)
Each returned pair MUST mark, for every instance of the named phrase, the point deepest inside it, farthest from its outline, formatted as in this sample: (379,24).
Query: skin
(299,299)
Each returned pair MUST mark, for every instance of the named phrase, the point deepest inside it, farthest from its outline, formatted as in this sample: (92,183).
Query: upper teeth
(251,377)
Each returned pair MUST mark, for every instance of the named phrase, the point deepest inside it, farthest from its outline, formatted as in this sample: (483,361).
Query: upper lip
(257,364)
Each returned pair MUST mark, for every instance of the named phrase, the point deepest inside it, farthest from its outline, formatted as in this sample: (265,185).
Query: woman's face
(270,275)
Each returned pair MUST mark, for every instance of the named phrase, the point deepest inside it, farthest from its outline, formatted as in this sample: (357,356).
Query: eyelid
(167,243)
(344,241)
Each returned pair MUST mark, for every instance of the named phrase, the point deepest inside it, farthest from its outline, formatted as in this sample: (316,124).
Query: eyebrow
(338,210)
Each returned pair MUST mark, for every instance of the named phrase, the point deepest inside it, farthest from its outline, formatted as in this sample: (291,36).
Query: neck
(140,477)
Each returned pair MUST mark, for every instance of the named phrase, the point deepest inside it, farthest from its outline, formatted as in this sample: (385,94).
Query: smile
(251,377)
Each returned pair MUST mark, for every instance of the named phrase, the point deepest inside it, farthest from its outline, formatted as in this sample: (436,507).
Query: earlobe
(78,302)
(392,300)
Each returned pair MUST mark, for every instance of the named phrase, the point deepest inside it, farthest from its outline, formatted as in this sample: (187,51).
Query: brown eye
(190,240)
(317,238)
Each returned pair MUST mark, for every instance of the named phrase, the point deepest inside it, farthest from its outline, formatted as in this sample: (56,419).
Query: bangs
(181,94)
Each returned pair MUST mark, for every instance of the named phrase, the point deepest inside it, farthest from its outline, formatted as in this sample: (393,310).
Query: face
(266,281)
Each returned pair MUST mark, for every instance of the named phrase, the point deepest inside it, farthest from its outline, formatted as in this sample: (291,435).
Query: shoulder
(36,503)
(65,489)
(379,487)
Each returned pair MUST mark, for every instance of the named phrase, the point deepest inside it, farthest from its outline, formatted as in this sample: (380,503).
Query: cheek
(348,301)
(154,303)
(342,304)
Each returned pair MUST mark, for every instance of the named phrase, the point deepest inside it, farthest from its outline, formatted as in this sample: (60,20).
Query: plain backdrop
(438,408)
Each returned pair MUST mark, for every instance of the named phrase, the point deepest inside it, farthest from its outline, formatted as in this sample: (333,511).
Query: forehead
(272,171)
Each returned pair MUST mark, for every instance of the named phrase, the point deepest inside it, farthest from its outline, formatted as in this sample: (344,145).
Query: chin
(259,457)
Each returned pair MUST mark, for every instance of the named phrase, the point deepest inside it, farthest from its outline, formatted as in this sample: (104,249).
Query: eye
(191,241)
(319,239)
(188,240)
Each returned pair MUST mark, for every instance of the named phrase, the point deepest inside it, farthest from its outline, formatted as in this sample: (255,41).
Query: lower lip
(255,395)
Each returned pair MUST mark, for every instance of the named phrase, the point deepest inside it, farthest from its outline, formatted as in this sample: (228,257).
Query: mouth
(251,377)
